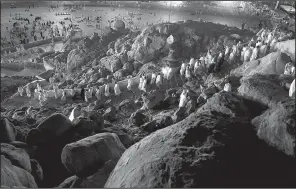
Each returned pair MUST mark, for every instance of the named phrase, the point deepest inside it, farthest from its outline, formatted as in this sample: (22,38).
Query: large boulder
(53,126)
(118,25)
(99,148)
(265,89)
(287,47)
(138,118)
(7,131)
(276,126)
(8,176)
(273,63)
(112,63)
(185,154)
(17,156)
(147,46)
(75,59)
(153,98)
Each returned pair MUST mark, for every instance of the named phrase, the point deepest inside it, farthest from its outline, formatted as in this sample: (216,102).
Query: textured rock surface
(53,126)
(265,89)
(182,155)
(273,63)
(7,131)
(287,47)
(100,148)
(8,177)
(17,156)
(277,128)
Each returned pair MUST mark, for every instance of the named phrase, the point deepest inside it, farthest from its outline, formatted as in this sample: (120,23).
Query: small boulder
(138,118)
(84,127)
(179,114)
(152,98)
(23,145)
(100,148)
(128,67)
(110,114)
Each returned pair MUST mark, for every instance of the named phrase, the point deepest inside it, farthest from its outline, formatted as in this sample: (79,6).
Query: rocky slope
(243,138)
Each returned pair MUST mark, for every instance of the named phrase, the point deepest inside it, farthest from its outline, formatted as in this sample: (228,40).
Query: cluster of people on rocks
(259,46)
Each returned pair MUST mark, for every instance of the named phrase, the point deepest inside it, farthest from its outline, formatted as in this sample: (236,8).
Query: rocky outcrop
(277,128)
(265,89)
(100,148)
(112,63)
(273,63)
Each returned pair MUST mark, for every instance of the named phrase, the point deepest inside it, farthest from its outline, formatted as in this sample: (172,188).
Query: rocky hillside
(242,138)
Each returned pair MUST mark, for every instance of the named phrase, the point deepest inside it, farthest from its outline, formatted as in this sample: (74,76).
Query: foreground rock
(277,128)
(17,156)
(162,158)
(99,148)
(265,89)
(8,177)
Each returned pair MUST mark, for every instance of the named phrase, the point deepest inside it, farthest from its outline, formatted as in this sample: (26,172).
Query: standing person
(260,24)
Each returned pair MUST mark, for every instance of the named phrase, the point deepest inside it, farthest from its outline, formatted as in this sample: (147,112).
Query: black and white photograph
(148,94)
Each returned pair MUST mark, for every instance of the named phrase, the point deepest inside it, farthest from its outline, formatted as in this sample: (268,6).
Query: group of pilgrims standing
(256,48)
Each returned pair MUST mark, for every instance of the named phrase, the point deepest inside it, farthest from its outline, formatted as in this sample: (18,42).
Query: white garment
(231,57)
(187,73)
(227,87)
(288,69)
(117,90)
(107,92)
(262,51)
(191,62)
(183,99)
(292,88)
(74,114)
(141,83)
(144,85)
(153,78)
(182,70)
(158,81)
(254,55)
(129,84)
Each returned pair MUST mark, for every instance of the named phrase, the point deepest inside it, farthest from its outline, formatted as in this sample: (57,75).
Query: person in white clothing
(289,69)
(227,86)
(117,90)
(183,98)
(75,113)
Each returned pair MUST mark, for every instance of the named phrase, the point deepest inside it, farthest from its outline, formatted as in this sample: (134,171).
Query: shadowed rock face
(206,149)
(277,128)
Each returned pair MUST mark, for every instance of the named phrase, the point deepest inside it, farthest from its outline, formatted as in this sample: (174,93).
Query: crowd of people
(258,47)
